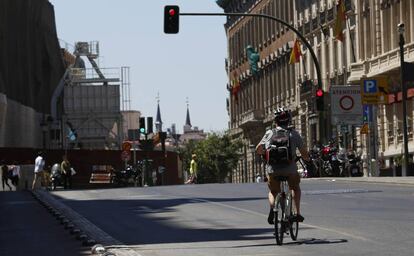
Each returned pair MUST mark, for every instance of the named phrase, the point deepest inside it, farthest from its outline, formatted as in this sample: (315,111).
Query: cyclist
(282,120)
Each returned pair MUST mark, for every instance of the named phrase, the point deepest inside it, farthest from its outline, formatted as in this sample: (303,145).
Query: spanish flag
(340,20)
(296,53)
(235,86)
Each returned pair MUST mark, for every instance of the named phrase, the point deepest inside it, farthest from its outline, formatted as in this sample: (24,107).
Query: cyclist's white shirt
(296,142)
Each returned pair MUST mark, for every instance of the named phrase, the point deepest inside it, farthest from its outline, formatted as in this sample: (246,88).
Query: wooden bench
(100,178)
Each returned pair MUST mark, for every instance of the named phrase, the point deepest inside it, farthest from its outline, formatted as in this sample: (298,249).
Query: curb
(398,181)
(89,234)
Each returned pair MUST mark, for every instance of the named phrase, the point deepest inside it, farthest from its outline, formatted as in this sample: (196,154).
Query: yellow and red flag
(296,53)
(340,20)
(235,86)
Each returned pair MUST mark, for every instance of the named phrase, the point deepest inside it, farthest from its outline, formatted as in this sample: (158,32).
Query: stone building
(377,54)
(253,97)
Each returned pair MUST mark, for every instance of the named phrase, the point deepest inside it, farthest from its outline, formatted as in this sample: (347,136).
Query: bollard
(88,242)
(75,231)
(98,249)
(81,237)
(69,226)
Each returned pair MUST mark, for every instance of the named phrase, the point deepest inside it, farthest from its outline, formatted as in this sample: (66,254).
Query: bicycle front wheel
(293,225)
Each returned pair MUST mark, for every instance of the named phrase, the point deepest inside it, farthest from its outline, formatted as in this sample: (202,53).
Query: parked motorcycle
(127,176)
(326,169)
(314,154)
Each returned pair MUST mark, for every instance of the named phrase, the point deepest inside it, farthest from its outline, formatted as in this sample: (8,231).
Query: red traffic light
(319,93)
(171,19)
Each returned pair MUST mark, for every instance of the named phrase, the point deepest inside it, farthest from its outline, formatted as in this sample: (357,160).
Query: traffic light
(149,124)
(142,125)
(319,95)
(171,19)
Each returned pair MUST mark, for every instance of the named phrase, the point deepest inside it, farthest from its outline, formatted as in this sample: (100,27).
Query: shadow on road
(173,220)
(311,241)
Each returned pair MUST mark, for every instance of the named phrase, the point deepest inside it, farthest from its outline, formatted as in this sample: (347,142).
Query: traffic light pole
(404,100)
(302,38)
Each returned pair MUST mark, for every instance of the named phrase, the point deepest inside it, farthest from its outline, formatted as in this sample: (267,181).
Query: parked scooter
(354,166)
(56,176)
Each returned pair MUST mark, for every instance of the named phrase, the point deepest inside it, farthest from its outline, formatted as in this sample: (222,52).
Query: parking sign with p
(370,86)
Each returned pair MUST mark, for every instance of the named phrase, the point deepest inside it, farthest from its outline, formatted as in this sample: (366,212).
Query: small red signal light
(171,12)
(319,93)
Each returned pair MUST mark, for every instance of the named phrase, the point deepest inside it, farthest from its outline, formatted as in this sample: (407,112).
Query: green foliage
(217,156)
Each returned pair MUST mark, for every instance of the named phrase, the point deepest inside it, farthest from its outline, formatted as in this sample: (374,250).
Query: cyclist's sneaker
(298,218)
(270,218)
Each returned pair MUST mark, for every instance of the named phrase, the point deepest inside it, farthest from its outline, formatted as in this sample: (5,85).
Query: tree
(217,156)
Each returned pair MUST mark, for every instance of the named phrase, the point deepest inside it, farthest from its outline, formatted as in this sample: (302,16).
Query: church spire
(187,126)
(187,118)
(158,121)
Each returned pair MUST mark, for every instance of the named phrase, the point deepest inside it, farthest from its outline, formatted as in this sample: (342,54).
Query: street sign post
(375,91)
(126,156)
(346,105)
(126,146)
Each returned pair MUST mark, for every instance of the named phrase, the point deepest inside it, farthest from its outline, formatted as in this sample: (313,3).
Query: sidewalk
(27,228)
(390,180)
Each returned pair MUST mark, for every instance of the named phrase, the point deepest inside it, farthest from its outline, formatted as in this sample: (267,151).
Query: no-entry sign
(346,107)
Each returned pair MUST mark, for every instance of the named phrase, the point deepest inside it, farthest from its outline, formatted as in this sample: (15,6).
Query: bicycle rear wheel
(279,217)
(293,225)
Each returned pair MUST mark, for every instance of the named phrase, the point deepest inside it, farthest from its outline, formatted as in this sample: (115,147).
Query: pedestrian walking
(193,170)
(15,174)
(38,169)
(5,175)
(67,172)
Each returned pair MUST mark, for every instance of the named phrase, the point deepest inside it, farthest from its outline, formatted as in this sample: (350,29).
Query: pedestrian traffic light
(320,99)
(142,125)
(171,19)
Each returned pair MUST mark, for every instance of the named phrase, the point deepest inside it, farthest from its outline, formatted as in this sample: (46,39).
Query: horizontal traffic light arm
(302,38)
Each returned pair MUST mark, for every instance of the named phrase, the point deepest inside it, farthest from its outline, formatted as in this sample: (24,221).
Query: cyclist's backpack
(279,153)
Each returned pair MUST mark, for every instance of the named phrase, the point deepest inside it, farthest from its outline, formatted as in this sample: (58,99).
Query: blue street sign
(367,113)
(370,86)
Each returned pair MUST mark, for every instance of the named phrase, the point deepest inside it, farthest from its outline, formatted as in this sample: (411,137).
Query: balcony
(251,119)
(380,64)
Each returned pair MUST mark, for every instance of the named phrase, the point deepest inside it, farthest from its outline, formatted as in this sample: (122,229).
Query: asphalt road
(341,218)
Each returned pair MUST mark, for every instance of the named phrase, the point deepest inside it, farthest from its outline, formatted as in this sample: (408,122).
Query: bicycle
(284,211)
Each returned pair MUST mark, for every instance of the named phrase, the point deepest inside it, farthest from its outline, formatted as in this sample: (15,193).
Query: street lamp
(401,30)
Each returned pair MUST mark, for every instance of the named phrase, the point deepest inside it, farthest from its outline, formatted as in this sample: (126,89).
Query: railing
(80,75)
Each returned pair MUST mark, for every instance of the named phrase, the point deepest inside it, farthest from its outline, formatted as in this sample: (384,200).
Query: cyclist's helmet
(282,116)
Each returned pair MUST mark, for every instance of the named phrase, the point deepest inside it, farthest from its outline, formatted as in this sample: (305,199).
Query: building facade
(253,97)
(377,52)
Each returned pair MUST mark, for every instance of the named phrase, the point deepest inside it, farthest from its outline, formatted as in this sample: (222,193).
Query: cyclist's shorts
(274,184)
